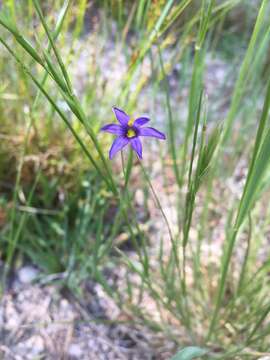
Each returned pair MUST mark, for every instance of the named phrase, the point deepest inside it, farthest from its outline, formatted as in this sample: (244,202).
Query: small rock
(139,196)
(75,350)
(27,274)
(33,346)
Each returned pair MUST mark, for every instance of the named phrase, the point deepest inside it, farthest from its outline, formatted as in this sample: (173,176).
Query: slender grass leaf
(189,353)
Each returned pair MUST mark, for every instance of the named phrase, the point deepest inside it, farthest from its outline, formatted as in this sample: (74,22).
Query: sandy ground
(40,322)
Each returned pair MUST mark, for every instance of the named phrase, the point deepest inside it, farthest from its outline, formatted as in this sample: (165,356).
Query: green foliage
(63,205)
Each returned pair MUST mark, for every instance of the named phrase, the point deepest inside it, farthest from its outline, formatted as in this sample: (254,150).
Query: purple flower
(128,131)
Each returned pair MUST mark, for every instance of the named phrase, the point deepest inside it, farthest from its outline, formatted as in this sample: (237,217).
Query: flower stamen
(131,122)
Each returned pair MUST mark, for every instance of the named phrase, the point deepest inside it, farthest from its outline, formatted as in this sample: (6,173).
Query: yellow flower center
(131,133)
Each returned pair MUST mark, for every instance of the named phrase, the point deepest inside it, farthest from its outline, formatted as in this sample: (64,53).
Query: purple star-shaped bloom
(128,131)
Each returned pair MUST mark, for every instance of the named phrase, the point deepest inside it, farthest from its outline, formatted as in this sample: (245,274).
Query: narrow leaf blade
(189,353)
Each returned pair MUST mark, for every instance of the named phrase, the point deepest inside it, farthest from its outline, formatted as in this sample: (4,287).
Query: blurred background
(66,283)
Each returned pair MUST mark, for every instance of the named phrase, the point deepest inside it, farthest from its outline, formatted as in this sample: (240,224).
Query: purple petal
(141,121)
(149,131)
(117,145)
(113,129)
(121,116)
(137,146)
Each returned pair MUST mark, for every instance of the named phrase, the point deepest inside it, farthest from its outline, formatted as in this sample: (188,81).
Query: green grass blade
(257,169)
(172,131)
(245,67)
(52,43)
